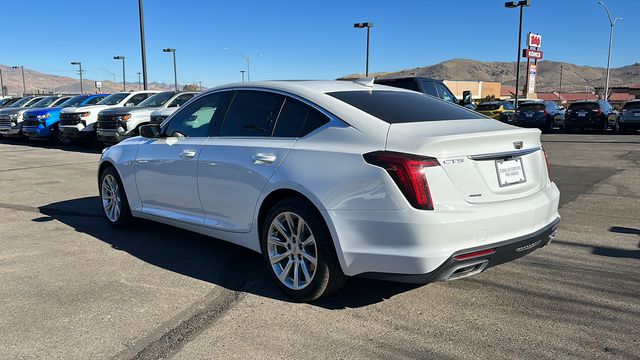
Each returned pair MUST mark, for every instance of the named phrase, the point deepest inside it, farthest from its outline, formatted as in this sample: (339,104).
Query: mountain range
(38,82)
(574,77)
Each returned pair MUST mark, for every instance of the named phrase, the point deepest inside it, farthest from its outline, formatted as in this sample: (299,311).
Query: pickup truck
(11,117)
(117,124)
(43,123)
(78,123)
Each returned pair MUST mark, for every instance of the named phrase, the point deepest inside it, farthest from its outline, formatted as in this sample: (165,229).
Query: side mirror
(151,131)
(129,104)
(466,97)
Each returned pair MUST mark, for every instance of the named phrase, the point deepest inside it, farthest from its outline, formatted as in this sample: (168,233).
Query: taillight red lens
(474,254)
(407,171)
(546,160)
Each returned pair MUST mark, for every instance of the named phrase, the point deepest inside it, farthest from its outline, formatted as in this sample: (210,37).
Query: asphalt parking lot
(73,288)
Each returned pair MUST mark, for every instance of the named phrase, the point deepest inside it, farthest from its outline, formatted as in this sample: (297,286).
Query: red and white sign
(533,72)
(532,54)
(534,40)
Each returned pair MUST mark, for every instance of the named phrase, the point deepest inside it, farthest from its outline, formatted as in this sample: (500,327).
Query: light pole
(521,4)
(367,25)
(24,84)
(246,58)
(1,84)
(175,73)
(242,72)
(139,86)
(142,46)
(612,23)
(200,85)
(124,84)
(80,72)
(560,91)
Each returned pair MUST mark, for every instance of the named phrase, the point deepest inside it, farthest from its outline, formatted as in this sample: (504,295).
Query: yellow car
(500,110)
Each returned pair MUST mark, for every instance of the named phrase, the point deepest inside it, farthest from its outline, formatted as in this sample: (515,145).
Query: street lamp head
(363,25)
(169,50)
(119,57)
(515,4)
(75,63)
(16,67)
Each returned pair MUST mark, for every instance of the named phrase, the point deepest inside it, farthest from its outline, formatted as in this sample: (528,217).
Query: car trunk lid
(474,156)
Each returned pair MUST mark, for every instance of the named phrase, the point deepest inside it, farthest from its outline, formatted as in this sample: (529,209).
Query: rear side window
(404,107)
(181,99)
(429,87)
(632,105)
(252,113)
(508,106)
(584,106)
(94,100)
(138,98)
(445,93)
(532,106)
(408,84)
(488,107)
(297,119)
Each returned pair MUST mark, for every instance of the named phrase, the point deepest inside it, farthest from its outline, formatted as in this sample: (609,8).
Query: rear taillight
(597,111)
(407,171)
(546,161)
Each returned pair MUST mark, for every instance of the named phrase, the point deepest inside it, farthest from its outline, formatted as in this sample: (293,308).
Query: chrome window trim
(497,155)
(334,121)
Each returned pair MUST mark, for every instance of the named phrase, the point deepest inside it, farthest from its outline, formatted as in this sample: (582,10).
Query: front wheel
(113,199)
(298,251)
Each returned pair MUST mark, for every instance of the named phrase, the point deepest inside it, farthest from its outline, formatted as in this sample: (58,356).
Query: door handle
(263,158)
(188,154)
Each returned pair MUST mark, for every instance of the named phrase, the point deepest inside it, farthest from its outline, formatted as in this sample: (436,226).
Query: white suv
(116,124)
(78,122)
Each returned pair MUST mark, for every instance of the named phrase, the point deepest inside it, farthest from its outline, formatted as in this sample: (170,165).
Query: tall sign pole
(142,46)
(533,54)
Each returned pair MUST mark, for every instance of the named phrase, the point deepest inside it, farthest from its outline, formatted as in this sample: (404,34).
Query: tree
(190,87)
(488,98)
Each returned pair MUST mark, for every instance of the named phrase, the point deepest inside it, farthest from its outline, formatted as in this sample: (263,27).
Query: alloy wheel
(111,198)
(292,250)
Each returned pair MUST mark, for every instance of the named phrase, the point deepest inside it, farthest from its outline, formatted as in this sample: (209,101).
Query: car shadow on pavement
(204,258)
(46,144)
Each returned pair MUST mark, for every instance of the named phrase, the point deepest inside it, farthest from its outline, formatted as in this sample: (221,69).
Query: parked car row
(596,115)
(107,118)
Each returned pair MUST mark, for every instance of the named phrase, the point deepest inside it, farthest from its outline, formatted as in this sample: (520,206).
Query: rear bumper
(585,121)
(418,242)
(629,123)
(453,268)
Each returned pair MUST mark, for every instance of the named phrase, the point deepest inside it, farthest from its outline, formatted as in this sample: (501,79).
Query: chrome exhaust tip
(461,271)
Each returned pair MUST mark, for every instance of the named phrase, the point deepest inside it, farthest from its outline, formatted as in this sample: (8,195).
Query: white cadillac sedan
(331,179)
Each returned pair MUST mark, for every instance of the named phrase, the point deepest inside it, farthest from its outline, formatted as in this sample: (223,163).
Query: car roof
(408,77)
(316,86)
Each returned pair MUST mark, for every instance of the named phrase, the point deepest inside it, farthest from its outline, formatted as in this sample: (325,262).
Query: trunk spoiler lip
(504,154)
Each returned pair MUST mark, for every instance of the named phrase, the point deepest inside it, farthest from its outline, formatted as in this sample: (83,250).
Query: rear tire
(298,251)
(113,199)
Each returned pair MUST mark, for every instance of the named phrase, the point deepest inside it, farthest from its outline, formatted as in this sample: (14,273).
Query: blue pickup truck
(43,123)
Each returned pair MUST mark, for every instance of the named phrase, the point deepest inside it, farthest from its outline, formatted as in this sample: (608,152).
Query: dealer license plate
(510,172)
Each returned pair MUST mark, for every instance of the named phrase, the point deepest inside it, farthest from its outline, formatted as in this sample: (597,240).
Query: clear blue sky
(301,39)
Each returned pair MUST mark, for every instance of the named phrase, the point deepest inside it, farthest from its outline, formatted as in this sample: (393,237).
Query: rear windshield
(404,107)
(632,105)
(532,106)
(584,106)
(485,107)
